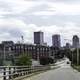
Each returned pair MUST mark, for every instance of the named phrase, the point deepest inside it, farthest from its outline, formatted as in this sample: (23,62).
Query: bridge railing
(12,72)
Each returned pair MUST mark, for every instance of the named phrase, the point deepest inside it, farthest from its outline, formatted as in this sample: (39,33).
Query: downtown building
(13,50)
(10,50)
(35,51)
(56,46)
(56,42)
(75,41)
(68,46)
(39,38)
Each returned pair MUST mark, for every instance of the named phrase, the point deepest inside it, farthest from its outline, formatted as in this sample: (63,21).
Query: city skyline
(23,17)
(38,39)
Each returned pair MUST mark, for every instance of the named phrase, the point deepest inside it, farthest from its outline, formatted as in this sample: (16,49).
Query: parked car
(68,62)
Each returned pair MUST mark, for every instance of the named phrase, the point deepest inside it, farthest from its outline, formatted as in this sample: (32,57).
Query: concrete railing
(13,72)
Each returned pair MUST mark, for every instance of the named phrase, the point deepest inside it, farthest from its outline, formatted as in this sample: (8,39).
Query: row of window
(29,48)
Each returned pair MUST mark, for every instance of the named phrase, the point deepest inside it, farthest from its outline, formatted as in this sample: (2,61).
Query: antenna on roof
(22,39)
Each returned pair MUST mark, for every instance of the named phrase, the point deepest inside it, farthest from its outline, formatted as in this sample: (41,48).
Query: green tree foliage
(60,54)
(1,62)
(73,56)
(46,60)
(24,60)
(68,54)
(51,61)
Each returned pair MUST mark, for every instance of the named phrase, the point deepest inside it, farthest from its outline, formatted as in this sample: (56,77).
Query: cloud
(63,1)
(58,9)
(66,9)
(13,29)
(23,17)
(69,1)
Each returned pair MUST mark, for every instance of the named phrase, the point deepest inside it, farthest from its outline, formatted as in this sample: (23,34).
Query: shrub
(24,60)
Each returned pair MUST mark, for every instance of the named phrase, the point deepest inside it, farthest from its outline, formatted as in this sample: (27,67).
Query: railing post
(14,72)
(4,73)
(10,73)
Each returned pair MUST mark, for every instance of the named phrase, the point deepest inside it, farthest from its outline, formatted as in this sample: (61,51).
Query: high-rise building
(39,38)
(68,46)
(56,42)
(75,41)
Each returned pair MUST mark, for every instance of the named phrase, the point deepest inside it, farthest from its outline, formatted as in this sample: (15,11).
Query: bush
(51,61)
(24,60)
(46,60)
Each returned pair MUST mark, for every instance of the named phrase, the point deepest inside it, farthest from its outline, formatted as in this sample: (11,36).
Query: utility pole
(4,55)
(22,42)
(38,56)
(77,56)
(22,39)
(72,58)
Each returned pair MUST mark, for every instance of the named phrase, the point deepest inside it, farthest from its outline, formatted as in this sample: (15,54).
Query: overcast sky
(23,17)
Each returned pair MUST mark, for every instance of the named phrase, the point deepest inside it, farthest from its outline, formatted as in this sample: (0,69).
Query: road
(65,72)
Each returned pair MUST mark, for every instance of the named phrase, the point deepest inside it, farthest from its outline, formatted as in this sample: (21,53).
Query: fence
(12,72)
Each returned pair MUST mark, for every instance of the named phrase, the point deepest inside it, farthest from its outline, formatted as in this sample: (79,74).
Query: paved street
(65,72)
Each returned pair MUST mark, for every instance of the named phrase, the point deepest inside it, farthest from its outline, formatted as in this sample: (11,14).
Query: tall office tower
(56,42)
(75,41)
(39,38)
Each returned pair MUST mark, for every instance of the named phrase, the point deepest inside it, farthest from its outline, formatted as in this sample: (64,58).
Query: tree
(46,60)
(51,61)
(24,60)
(1,62)
(68,54)
(75,57)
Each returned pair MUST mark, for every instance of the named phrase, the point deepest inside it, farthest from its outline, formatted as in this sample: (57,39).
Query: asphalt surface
(65,72)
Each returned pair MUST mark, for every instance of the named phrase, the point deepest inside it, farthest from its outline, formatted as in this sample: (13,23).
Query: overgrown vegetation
(24,60)
(46,60)
(72,55)
(77,67)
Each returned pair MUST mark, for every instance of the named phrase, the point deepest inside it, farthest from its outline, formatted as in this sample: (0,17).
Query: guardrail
(12,72)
